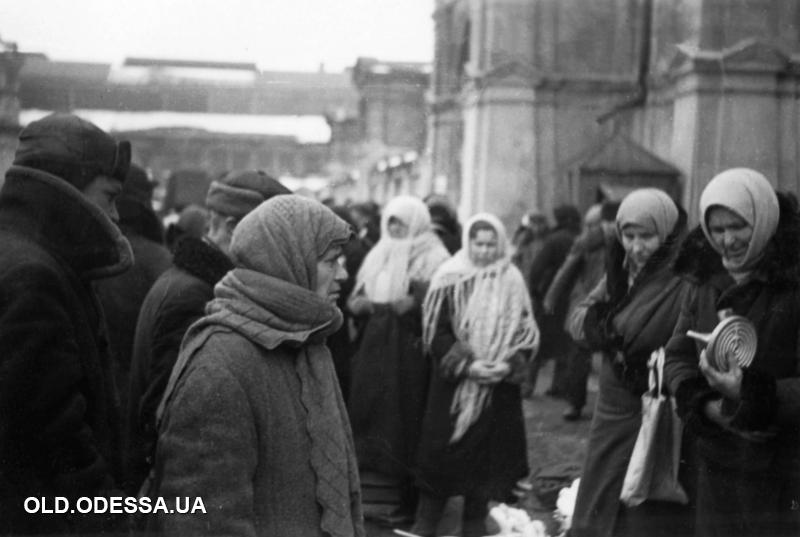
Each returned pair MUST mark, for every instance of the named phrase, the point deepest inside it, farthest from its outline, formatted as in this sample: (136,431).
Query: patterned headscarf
(491,313)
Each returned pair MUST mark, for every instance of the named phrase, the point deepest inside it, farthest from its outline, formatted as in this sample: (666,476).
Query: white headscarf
(490,312)
(392,263)
(750,195)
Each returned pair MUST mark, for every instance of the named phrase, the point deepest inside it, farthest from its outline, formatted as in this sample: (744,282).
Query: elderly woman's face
(640,243)
(730,232)
(330,274)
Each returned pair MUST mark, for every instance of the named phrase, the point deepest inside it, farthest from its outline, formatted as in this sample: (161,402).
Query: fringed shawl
(392,264)
(490,312)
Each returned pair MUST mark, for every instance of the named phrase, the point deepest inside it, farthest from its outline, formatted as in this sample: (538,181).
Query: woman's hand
(403,305)
(488,373)
(360,305)
(727,383)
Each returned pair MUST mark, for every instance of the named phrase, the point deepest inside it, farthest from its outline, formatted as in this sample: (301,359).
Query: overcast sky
(296,35)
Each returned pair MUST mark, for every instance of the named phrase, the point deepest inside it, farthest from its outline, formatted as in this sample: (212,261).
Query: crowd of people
(282,363)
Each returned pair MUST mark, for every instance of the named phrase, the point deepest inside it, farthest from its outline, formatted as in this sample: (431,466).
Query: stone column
(735,107)
(499,145)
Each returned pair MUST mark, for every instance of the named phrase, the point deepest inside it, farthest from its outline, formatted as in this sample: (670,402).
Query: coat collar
(201,259)
(54,214)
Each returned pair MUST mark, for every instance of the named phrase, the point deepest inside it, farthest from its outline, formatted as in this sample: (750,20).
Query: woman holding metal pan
(741,415)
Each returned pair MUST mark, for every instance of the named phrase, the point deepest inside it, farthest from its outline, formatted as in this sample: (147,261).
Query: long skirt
(598,510)
(484,463)
(389,379)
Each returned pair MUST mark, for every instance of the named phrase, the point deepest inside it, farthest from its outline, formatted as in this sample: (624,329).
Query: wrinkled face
(730,232)
(483,247)
(330,274)
(397,228)
(103,192)
(640,243)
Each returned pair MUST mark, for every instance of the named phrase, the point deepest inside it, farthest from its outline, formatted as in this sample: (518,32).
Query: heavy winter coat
(746,486)
(176,300)
(58,404)
(122,297)
(627,325)
(250,452)
(492,455)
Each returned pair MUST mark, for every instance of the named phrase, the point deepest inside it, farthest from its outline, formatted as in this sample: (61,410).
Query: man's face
(103,192)
(330,274)
(220,230)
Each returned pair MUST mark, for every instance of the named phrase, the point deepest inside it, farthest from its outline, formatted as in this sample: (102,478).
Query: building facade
(520,88)
(381,143)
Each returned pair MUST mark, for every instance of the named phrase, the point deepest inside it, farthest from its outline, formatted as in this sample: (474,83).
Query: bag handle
(656,366)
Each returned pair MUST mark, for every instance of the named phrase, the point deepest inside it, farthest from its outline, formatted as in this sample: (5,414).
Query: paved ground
(551,442)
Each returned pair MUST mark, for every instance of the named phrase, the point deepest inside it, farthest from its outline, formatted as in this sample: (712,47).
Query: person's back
(58,416)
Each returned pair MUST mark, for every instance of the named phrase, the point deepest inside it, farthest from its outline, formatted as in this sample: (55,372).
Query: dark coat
(176,300)
(750,485)
(122,297)
(544,267)
(627,324)
(58,406)
(492,455)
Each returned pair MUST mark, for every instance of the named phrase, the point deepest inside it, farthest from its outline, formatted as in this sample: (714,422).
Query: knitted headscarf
(270,299)
(490,312)
(750,195)
(392,264)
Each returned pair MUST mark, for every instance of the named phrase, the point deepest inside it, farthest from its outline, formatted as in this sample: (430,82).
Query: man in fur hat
(178,299)
(58,410)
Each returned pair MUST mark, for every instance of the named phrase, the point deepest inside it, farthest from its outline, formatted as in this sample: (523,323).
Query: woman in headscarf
(630,314)
(252,421)
(479,328)
(389,375)
(743,423)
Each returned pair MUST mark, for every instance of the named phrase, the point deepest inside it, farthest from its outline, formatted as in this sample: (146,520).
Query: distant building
(521,89)
(192,115)
(378,147)
(10,64)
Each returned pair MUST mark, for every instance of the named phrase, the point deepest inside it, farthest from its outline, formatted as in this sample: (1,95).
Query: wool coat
(176,300)
(59,417)
(235,434)
(746,485)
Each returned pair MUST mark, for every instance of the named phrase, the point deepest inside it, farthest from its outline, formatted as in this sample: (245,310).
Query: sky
(293,35)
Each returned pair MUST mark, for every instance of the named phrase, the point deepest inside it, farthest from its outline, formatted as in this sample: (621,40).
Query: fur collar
(201,259)
(698,261)
(55,215)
